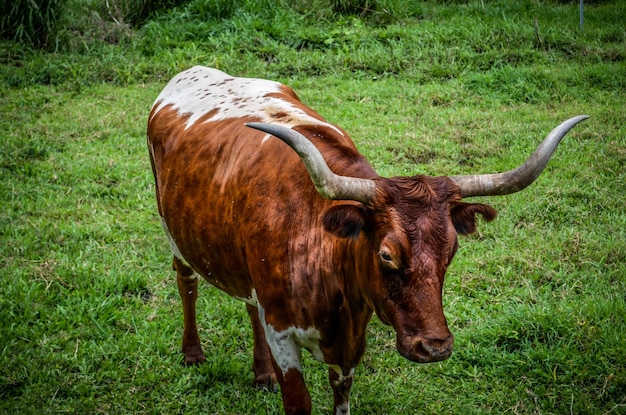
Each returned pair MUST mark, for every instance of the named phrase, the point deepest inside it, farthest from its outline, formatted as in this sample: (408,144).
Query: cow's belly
(213,253)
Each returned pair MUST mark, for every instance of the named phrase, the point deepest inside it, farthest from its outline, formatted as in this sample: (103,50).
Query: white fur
(344,408)
(286,344)
(200,90)
(173,245)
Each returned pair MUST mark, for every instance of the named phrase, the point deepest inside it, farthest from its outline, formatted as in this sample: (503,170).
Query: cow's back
(232,198)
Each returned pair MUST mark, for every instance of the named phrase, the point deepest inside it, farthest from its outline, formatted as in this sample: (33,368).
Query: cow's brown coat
(242,212)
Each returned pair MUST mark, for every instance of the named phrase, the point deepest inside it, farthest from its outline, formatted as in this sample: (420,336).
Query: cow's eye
(387,260)
(390,253)
(385,256)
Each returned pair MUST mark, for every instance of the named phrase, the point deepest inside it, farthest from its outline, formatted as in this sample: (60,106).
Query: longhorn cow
(304,231)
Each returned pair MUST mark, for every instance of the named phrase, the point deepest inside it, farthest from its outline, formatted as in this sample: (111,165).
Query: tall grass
(90,317)
(30,22)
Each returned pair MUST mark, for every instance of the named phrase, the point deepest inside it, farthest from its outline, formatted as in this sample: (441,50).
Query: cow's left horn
(328,184)
(521,177)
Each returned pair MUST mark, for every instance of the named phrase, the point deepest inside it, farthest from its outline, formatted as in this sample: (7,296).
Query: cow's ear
(464,216)
(344,221)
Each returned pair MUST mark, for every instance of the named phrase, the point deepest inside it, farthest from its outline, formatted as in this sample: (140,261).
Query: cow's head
(409,226)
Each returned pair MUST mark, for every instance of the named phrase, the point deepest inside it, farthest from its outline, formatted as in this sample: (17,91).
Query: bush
(27,21)
(375,11)
(135,12)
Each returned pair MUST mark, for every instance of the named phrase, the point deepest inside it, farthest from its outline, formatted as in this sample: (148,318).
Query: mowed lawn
(90,318)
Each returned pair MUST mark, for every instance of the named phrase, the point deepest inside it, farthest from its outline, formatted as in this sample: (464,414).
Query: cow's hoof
(266,382)
(192,359)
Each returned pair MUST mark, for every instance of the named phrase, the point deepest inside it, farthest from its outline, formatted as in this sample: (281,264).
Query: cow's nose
(425,350)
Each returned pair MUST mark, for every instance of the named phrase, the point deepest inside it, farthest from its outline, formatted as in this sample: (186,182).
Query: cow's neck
(345,340)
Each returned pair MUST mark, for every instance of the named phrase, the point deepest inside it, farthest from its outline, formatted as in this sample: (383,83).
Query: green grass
(90,319)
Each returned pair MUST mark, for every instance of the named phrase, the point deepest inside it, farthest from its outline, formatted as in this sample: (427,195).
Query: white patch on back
(200,90)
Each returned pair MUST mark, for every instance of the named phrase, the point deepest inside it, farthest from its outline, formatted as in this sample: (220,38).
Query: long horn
(521,177)
(327,183)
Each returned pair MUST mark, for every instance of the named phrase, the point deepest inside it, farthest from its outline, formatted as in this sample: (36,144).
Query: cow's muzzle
(425,350)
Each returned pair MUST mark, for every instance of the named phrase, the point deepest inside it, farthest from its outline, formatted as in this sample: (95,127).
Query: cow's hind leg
(264,375)
(187,283)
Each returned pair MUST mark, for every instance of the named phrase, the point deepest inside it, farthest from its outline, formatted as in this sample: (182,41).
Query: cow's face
(410,233)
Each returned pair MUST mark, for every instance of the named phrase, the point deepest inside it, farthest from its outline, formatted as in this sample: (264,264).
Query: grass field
(90,318)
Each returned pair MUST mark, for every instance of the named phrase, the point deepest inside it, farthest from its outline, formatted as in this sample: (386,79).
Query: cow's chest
(286,344)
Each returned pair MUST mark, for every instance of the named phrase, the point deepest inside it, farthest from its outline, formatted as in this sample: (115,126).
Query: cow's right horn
(521,177)
(328,184)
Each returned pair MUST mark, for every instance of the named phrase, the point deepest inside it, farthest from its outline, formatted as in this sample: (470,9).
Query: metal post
(582,18)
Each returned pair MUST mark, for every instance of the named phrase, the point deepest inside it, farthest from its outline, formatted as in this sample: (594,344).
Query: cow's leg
(264,375)
(296,397)
(286,359)
(341,385)
(188,289)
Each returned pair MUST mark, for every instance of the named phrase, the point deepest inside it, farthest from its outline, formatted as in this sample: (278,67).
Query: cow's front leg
(187,283)
(296,397)
(286,358)
(341,385)
(262,366)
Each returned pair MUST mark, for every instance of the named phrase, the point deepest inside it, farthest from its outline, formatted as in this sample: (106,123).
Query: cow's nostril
(438,349)
(424,350)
